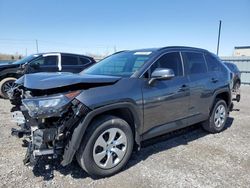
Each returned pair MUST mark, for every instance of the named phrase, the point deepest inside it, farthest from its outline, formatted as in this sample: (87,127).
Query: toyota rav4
(100,115)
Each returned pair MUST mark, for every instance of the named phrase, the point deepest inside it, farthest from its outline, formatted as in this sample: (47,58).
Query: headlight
(48,106)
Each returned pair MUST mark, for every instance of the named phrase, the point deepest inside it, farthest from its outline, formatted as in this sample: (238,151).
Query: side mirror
(161,74)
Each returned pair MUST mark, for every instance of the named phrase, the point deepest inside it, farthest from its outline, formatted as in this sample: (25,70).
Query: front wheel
(7,85)
(107,147)
(218,117)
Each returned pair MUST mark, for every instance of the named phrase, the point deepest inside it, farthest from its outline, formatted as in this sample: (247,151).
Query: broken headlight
(48,106)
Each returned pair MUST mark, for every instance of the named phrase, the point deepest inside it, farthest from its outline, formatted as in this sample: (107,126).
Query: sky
(102,27)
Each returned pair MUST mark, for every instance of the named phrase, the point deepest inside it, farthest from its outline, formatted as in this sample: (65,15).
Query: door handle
(214,80)
(183,88)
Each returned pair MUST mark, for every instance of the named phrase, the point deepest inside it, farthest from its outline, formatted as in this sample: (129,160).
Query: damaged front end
(48,113)
(47,122)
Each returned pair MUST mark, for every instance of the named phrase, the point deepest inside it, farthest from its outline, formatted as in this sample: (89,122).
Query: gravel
(186,158)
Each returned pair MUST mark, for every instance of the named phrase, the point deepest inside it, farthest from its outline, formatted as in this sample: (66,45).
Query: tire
(98,135)
(3,82)
(216,122)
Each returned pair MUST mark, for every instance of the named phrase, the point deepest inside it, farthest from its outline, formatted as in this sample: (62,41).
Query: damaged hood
(42,81)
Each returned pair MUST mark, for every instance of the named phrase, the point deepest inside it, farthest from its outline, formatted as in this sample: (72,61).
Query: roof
(242,47)
(168,47)
(181,47)
(64,53)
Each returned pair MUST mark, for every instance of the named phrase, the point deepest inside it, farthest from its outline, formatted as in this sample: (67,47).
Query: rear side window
(69,60)
(170,60)
(212,63)
(84,61)
(195,62)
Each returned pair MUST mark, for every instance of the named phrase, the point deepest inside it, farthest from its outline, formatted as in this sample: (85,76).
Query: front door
(44,63)
(166,101)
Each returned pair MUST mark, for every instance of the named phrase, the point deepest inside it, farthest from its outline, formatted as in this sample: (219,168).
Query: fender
(9,73)
(79,131)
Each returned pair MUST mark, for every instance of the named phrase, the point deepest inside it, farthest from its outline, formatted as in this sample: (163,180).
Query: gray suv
(100,115)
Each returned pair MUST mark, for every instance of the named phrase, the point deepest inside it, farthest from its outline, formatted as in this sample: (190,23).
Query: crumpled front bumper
(47,136)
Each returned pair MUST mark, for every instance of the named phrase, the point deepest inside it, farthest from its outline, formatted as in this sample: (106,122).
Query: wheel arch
(224,94)
(9,75)
(123,110)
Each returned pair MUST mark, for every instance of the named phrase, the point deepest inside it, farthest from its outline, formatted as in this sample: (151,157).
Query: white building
(241,51)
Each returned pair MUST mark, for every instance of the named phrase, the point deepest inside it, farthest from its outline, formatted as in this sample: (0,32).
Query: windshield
(121,64)
(26,59)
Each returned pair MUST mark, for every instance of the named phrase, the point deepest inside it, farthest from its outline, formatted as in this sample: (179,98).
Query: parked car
(43,62)
(106,111)
(236,80)
(236,74)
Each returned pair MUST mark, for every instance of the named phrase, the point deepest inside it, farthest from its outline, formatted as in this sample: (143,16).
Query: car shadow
(171,140)
(47,167)
(236,109)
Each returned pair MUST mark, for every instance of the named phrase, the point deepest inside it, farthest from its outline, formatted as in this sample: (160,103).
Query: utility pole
(218,44)
(37,46)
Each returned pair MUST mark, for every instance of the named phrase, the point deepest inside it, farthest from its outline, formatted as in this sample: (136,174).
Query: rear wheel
(107,147)
(218,117)
(7,85)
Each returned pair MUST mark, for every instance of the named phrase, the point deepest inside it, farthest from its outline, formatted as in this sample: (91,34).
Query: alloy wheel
(110,148)
(9,87)
(220,116)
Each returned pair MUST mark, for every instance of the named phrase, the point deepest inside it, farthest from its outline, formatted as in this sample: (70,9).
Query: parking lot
(187,158)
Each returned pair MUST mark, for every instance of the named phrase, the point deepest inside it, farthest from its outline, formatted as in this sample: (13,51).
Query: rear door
(218,73)
(200,85)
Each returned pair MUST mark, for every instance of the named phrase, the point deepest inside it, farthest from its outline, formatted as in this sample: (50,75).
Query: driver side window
(170,60)
(46,61)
